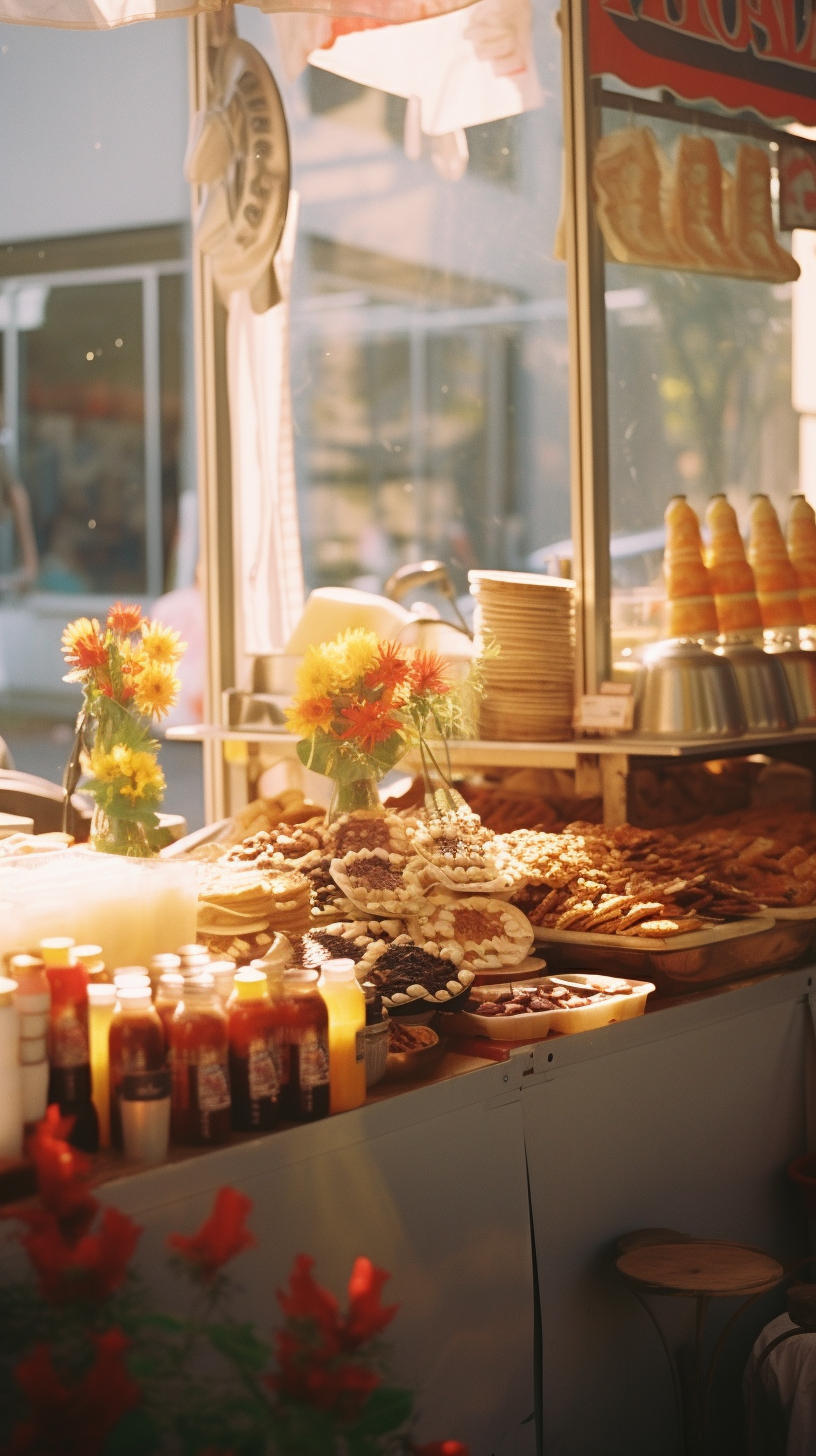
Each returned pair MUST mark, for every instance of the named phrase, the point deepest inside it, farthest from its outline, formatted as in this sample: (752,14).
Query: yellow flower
(107,766)
(313,713)
(162,644)
(146,776)
(353,654)
(315,676)
(155,690)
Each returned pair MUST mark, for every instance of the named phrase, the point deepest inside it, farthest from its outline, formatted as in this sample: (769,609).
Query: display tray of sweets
(528,1010)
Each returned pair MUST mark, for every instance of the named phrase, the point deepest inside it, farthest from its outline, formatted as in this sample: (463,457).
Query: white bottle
(33,1001)
(11,1097)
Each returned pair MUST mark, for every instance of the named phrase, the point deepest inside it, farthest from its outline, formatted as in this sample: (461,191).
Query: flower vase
(359,795)
(113,835)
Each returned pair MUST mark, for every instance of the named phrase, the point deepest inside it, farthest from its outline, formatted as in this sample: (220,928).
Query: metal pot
(683,691)
(763,686)
(799,666)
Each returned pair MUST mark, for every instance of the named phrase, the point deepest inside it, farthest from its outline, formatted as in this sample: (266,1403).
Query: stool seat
(699,1269)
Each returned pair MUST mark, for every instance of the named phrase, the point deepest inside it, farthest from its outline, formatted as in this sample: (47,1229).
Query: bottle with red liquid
(254,1054)
(136,1046)
(168,994)
(304,1020)
(69,1080)
(199,1065)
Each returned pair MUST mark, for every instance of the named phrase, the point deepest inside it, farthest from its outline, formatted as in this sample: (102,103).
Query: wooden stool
(702,1270)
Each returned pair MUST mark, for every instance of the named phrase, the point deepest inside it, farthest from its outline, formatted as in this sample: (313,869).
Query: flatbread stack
(530,684)
(239,909)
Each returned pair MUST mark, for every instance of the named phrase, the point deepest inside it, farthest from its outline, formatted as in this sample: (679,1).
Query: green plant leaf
(386,1409)
(240,1344)
(134,1435)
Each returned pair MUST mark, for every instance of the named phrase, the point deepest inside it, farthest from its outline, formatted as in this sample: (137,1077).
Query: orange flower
(369,723)
(428,673)
(390,670)
(82,644)
(312,713)
(123,618)
(220,1237)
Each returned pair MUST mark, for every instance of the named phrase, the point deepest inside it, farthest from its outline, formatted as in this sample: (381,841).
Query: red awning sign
(757,54)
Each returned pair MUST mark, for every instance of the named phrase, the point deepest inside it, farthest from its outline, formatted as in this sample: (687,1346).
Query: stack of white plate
(530,684)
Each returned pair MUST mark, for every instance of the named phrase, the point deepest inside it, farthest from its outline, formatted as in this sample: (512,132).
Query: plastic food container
(535,1025)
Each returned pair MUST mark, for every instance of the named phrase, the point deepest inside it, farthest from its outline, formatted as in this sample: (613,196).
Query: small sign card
(608,712)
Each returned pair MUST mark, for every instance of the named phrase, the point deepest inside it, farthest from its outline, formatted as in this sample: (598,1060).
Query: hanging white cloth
(467,67)
(789,1377)
(267,538)
(106,14)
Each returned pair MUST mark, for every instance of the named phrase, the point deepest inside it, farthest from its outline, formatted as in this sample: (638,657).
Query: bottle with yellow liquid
(345,1002)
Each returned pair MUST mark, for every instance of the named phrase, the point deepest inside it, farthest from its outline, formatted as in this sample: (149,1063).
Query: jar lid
(171,981)
(134,998)
(339,970)
(165,962)
(58,951)
(101,994)
(300,975)
(88,953)
(251,984)
(131,976)
(25,965)
(7,989)
(199,988)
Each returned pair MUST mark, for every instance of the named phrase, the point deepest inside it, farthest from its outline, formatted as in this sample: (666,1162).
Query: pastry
(696,207)
(732,579)
(690,602)
(379,882)
(476,932)
(628,178)
(777,587)
(408,972)
(750,220)
(802,553)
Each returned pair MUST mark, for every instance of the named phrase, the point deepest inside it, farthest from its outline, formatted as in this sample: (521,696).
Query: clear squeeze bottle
(346,1005)
(69,1082)
(199,1064)
(304,1022)
(33,1001)
(254,1057)
(136,1046)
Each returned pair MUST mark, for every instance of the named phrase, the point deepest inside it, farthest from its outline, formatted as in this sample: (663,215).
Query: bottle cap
(171,981)
(300,976)
(251,984)
(131,976)
(165,962)
(338,970)
(24,965)
(58,951)
(91,957)
(7,989)
(199,988)
(133,998)
(101,994)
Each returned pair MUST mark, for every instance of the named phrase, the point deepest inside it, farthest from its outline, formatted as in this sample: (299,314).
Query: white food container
(535,1025)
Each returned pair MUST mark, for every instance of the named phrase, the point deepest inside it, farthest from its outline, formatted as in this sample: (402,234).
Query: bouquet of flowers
(362,702)
(89,1368)
(128,674)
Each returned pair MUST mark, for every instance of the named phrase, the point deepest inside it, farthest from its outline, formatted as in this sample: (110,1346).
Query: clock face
(239,154)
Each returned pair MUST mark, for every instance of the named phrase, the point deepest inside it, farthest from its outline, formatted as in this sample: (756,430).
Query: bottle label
(69,1041)
(360,1045)
(313,1060)
(213,1085)
(263,1074)
(145,1086)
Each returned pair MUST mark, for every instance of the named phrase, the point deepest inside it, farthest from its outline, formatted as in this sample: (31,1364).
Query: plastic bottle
(161,965)
(254,1058)
(101,1002)
(93,961)
(223,974)
(168,994)
(69,1082)
(33,1001)
(11,1098)
(304,1021)
(199,1064)
(193,959)
(136,1045)
(346,1005)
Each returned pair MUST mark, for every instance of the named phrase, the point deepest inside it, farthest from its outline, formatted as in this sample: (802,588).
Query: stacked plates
(530,684)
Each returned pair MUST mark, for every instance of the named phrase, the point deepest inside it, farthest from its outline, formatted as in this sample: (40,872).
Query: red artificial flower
(308,1301)
(428,673)
(221,1237)
(366,1316)
(123,618)
(390,670)
(442,1448)
(90,1267)
(369,723)
(311,1375)
(73,1420)
(61,1175)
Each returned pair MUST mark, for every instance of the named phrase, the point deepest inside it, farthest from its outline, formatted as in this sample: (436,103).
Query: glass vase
(111,835)
(361,795)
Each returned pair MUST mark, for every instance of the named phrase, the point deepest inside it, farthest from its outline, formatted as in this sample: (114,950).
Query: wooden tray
(732,952)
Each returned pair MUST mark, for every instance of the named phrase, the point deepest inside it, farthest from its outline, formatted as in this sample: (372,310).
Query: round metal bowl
(408,1066)
(763,686)
(683,691)
(799,666)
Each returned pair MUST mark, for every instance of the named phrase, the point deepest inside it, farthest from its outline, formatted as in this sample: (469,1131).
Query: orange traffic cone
(802,552)
(775,578)
(732,579)
(690,603)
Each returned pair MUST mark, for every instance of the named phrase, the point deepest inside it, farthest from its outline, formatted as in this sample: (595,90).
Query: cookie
(379,882)
(478,932)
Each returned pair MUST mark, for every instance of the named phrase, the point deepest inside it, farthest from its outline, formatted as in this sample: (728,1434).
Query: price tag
(605,713)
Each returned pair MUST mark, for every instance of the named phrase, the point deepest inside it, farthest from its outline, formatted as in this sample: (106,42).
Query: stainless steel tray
(684,963)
